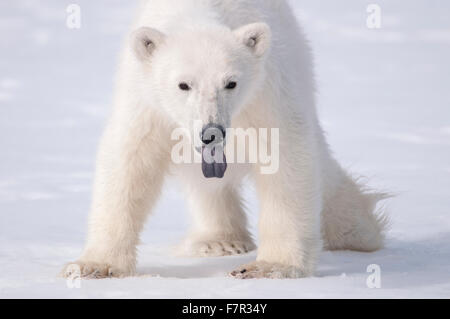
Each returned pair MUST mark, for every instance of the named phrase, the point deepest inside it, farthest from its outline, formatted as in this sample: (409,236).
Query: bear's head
(201,75)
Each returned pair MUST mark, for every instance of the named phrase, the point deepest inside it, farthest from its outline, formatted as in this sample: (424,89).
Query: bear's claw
(260,269)
(87,270)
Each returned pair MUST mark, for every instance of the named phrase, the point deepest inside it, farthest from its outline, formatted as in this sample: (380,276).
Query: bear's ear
(144,41)
(256,36)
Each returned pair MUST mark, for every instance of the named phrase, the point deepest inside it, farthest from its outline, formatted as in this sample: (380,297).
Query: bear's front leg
(289,226)
(130,173)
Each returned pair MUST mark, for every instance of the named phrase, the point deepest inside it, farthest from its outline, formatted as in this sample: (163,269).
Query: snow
(384,100)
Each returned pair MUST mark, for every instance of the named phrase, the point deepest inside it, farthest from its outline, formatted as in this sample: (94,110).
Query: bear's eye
(231,85)
(184,87)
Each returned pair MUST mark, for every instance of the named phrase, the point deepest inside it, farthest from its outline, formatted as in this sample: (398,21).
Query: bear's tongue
(214,169)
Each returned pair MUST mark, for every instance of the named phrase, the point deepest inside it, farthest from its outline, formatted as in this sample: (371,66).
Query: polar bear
(230,64)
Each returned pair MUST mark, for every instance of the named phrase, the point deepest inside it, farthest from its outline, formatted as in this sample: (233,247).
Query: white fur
(204,43)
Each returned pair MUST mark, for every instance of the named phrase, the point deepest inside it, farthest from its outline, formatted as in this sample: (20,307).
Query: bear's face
(201,76)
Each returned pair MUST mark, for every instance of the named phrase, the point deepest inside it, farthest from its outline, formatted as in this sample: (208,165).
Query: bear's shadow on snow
(198,267)
(403,263)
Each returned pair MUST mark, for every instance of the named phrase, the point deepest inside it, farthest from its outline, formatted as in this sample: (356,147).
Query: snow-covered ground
(384,101)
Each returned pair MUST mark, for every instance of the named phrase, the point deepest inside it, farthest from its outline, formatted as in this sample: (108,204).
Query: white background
(384,99)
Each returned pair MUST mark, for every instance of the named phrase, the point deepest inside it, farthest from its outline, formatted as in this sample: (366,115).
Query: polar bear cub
(224,64)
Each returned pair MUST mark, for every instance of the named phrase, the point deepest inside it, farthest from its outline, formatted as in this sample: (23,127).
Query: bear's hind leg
(219,224)
(350,220)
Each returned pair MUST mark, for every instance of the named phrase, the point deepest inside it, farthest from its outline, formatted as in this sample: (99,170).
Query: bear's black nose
(213,133)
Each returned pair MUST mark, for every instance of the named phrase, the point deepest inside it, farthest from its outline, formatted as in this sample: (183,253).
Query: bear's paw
(261,269)
(219,248)
(91,270)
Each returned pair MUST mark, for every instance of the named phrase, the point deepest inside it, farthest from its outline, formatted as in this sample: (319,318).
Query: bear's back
(173,15)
